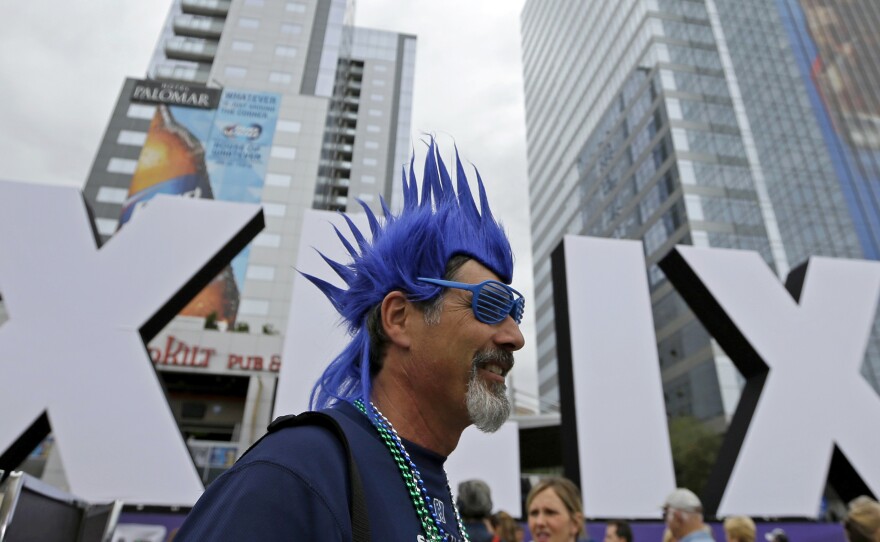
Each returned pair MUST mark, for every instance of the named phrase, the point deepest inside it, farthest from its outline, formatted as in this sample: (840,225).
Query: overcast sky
(63,63)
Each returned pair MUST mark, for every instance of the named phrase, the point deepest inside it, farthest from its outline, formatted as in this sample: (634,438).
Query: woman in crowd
(862,523)
(506,528)
(739,529)
(555,511)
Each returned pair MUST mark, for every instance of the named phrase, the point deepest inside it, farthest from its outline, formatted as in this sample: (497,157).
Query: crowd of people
(555,514)
(474,503)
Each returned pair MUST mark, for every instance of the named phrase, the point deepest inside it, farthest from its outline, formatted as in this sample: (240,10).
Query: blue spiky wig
(417,242)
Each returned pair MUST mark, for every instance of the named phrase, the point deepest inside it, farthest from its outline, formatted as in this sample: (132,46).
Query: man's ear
(396,310)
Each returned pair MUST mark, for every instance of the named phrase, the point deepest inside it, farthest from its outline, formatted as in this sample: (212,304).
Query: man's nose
(509,335)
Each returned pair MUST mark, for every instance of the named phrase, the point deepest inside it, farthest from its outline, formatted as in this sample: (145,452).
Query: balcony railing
(205,7)
(182,73)
(198,26)
(197,49)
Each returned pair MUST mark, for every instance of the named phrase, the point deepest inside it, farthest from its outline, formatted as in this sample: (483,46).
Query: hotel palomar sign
(175,94)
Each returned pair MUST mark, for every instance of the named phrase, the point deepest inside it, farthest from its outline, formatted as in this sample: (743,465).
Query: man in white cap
(683,512)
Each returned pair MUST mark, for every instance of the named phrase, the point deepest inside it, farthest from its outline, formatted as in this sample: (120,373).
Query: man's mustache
(502,358)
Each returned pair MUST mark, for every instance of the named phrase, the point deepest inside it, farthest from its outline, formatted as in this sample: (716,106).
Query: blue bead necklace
(418,493)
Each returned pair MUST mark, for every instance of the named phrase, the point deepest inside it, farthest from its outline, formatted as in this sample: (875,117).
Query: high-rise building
(277,102)
(717,123)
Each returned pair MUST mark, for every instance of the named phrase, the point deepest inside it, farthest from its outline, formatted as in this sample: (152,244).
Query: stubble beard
(487,402)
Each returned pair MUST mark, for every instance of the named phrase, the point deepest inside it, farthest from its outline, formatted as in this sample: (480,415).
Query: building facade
(368,131)
(693,122)
(281,103)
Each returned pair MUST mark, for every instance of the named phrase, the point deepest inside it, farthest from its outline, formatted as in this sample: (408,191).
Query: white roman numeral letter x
(74,342)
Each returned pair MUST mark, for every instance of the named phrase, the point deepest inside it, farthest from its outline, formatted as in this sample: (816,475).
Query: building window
(246,22)
(290,28)
(253,307)
(141,111)
(291,126)
(373,128)
(286,153)
(370,161)
(377,97)
(260,272)
(242,46)
(283,50)
(276,179)
(280,77)
(368,179)
(371,144)
(235,71)
(367,198)
(129,137)
(296,7)
(106,226)
(274,209)
(122,165)
(109,194)
(379,82)
(380,68)
(375,112)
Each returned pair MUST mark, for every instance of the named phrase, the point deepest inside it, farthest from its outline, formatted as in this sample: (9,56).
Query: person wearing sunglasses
(434,324)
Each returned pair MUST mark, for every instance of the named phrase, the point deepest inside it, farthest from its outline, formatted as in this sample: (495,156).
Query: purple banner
(649,531)
(643,531)
(148,526)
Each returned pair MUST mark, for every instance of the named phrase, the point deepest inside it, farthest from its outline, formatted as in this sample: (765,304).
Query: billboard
(835,43)
(204,143)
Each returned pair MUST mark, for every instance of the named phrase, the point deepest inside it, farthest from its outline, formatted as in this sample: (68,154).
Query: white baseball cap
(683,499)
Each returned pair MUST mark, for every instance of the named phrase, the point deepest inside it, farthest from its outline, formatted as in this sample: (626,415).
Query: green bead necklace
(418,493)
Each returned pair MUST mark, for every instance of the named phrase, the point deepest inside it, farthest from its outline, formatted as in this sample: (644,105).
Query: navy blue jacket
(294,486)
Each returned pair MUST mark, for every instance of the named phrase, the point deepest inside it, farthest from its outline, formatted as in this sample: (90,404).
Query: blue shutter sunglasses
(492,300)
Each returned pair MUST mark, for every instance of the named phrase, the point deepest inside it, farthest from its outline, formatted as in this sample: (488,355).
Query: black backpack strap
(360,521)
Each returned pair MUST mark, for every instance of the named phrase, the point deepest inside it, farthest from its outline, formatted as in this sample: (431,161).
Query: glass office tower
(700,122)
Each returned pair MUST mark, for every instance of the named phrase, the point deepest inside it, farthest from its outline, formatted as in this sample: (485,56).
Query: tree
(694,451)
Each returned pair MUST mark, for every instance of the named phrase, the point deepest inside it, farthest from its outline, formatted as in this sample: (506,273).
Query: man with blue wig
(434,324)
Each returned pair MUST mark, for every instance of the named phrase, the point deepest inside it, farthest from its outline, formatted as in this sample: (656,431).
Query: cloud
(62,65)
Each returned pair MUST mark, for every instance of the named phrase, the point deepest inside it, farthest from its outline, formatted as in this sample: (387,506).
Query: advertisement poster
(836,44)
(212,147)
(844,67)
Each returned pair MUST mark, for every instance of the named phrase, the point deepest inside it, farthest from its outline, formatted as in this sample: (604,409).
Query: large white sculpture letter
(613,415)
(73,348)
(801,356)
